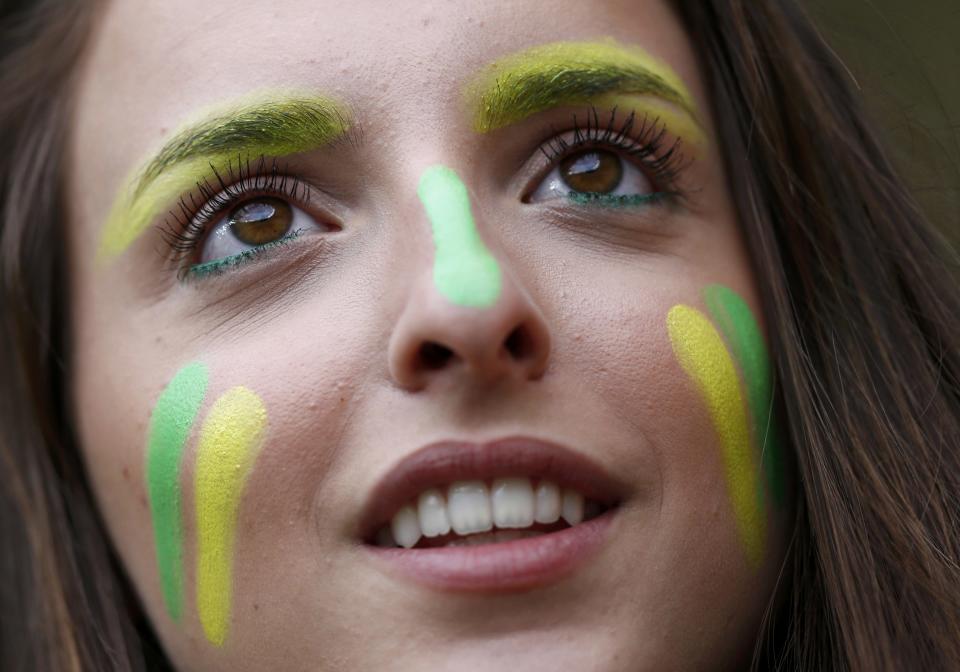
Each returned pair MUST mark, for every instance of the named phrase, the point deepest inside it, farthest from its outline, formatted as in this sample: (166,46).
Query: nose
(439,334)
(434,338)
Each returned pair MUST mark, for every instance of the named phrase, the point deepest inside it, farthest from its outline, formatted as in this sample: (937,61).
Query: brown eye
(593,172)
(261,221)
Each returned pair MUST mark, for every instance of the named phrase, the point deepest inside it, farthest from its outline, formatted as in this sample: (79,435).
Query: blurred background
(905,56)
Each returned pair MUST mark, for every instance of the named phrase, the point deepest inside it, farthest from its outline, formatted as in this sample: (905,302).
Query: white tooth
(385,538)
(405,527)
(548,503)
(572,507)
(432,513)
(468,506)
(512,502)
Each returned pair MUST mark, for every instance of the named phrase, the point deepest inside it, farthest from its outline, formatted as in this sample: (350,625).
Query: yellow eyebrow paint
(264,123)
(228,447)
(602,72)
(701,352)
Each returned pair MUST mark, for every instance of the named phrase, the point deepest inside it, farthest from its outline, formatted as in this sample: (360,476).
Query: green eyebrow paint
(464,270)
(743,335)
(170,424)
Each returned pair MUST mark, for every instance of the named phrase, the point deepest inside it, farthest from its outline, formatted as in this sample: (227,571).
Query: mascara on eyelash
(192,221)
(646,144)
(241,180)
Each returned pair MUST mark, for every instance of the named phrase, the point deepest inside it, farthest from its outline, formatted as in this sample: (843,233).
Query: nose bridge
(468,314)
(464,270)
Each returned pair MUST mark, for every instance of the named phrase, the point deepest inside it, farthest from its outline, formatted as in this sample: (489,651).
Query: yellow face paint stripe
(701,352)
(229,443)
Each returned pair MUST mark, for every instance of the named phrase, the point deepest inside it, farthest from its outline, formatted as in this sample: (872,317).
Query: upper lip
(439,464)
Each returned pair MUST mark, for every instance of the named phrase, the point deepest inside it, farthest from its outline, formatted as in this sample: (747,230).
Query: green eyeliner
(219,266)
(616,201)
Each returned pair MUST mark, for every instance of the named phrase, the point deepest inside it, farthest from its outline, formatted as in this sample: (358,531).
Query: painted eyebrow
(269,126)
(569,73)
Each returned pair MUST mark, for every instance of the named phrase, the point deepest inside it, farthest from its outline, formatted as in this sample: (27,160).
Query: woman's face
(348,275)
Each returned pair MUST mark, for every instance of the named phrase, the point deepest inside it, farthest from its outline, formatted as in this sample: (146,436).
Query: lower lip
(507,566)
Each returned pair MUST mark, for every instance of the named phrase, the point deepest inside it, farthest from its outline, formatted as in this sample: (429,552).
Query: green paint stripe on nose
(464,270)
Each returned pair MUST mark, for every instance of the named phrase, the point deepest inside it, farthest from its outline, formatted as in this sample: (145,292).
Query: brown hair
(864,310)
(861,299)
(62,599)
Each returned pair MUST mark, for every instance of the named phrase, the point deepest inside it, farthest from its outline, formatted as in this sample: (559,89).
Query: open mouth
(512,514)
(473,513)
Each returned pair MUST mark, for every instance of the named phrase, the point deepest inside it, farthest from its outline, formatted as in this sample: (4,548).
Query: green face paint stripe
(170,424)
(743,334)
(703,356)
(266,123)
(227,449)
(464,270)
(519,85)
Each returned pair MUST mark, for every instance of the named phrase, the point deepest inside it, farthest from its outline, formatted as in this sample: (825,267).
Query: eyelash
(187,225)
(648,145)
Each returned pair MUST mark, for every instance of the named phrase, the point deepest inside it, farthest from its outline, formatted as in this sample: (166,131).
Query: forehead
(154,61)
(400,67)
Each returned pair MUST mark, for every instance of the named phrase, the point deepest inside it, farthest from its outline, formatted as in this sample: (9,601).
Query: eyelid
(644,135)
(198,211)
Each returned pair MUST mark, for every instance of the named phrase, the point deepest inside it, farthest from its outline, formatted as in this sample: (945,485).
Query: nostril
(519,344)
(434,356)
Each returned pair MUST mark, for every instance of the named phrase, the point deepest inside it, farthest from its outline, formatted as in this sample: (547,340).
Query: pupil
(261,221)
(595,172)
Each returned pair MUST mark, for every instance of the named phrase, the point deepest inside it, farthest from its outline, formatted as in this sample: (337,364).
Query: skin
(324,332)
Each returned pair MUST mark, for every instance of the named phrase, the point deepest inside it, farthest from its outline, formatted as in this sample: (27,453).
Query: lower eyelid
(225,264)
(619,200)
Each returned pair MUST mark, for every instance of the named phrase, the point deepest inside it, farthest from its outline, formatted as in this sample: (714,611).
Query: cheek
(112,408)
(308,389)
(697,398)
(255,459)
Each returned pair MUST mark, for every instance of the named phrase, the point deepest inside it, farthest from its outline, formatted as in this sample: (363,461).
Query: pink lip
(507,566)
(442,463)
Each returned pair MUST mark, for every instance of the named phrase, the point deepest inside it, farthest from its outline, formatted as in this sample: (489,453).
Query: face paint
(464,270)
(742,333)
(170,424)
(263,124)
(228,447)
(604,72)
(705,359)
